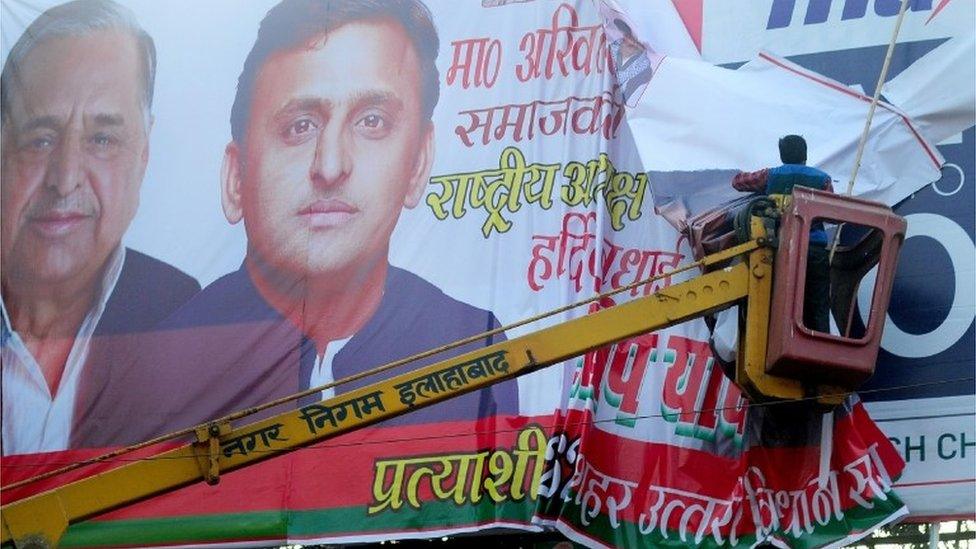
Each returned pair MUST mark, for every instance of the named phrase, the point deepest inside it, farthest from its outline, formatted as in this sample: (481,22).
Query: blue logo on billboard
(781,14)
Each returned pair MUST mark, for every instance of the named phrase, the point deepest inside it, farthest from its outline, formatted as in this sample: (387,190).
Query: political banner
(207,207)
(922,394)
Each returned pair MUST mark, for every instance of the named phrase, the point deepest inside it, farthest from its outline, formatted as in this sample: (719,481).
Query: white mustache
(82,202)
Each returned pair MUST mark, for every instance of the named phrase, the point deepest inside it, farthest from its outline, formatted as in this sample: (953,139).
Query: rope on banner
(867,122)
(440,436)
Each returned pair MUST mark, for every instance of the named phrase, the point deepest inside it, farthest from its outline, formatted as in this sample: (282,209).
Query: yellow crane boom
(41,519)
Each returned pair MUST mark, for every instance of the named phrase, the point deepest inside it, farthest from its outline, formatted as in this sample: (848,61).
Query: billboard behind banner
(207,207)
(923,392)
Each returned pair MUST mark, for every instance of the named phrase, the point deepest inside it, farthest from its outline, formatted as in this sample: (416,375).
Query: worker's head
(75,98)
(331,133)
(793,149)
(624,27)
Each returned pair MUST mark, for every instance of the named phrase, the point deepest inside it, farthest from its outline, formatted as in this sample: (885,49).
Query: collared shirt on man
(322,368)
(34,420)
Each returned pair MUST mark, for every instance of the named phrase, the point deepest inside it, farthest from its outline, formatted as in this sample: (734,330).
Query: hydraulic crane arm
(43,518)
(780,360)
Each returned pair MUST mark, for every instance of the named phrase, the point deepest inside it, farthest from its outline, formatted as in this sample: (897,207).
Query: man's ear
(230,184)
(421,173)
(145,150)
(144,154)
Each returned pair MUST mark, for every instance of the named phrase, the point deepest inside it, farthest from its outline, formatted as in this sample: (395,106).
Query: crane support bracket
(209,435)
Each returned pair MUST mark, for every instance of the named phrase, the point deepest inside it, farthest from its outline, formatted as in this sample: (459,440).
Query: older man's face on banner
(335,148)
(74,154)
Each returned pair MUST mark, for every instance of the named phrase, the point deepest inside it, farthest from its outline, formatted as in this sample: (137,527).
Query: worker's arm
(753,182)
(828,186)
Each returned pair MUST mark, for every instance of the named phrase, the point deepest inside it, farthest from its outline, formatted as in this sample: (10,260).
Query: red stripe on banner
(652,465)
(21,467)
(355,455)
(340,473)
(859,427)
(845,90)
(690,12)
(336,473)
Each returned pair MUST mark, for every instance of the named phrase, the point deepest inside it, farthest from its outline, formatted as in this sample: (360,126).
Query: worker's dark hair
(624,27)
(295,23)
(793,149)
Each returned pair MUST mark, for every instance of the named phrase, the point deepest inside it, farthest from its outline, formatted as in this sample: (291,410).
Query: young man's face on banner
(74,155)
(335,148)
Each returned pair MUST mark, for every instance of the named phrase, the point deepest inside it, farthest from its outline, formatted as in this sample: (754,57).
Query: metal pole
(933,535)
(867,122)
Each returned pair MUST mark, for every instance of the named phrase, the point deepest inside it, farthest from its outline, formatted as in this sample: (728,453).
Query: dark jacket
(228,349)
(146,293)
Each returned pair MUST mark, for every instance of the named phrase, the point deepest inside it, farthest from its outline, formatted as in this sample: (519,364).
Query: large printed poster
(923,393)
(210,206)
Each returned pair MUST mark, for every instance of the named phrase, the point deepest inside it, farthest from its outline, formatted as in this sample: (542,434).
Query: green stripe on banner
(353,521)
(280,525)
(202,529)
(432,515)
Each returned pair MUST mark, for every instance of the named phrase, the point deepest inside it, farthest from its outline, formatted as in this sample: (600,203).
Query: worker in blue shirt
(778,183)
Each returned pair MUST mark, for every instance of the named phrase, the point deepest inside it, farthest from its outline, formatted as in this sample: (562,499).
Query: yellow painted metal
(729,253)
(47,515)
(209,434)
(35,526)
(830,395)
(750,367)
